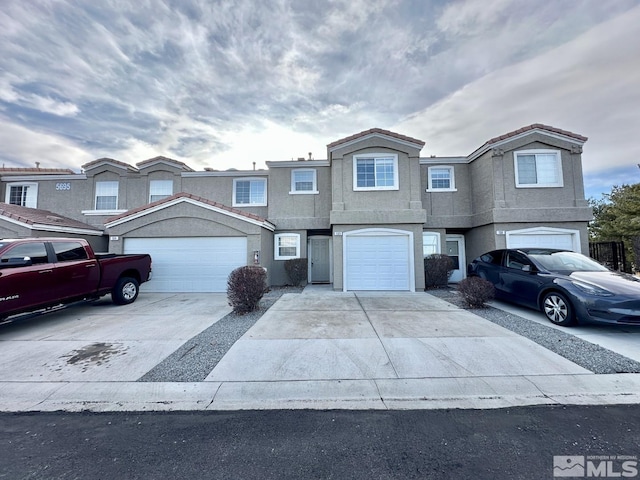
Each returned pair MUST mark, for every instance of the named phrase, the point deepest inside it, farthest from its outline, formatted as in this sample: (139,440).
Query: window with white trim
(159,189)
(249,192)
(106,195)
(303,181)
(430,243)
(441,178)
(538,168)
(23,194)
(375,172)
(287,246)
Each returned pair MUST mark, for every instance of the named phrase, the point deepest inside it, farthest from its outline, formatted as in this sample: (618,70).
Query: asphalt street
(514,443)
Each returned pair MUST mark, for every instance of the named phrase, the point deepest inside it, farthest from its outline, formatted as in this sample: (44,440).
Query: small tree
(245,288)
(437,270)
(476,291)
(296,269)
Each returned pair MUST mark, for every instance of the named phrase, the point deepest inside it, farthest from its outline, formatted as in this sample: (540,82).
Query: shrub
(437,270)
(476,291)
(296,269)
(245,288)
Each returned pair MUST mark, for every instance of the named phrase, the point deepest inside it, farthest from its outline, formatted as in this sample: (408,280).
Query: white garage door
(190,264)
(562,241)
(377,262)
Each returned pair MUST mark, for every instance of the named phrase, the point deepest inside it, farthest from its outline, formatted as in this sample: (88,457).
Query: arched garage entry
(544,237)
(378,259)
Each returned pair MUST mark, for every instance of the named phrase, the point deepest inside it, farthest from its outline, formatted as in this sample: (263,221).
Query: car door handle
(45,271)
(91,265)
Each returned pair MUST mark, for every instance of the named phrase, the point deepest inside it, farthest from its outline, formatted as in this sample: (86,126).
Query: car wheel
(557,309)
(125,291)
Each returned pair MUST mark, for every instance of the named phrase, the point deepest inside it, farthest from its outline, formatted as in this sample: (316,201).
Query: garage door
(377,262)
(563,241)
(190,264)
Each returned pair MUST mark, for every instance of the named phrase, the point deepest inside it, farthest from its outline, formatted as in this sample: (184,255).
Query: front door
(319,254)
(455,251)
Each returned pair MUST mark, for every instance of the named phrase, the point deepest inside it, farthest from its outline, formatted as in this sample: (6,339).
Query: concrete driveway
(622,339)
(102,342)
(319,349)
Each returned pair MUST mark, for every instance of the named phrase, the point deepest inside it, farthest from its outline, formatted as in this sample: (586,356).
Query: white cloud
(52,151)
(585,86)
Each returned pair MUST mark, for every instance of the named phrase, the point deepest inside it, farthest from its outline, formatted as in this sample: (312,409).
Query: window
(430,243)
(106,195)
(250,191)
(23,194)
(159,189)
(69,251)
(516,260)
(375,172)
(287,246)
(538,168)
(441,179)
(37,252)
(303,181)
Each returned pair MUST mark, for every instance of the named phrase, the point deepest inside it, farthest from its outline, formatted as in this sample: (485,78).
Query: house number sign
(63,186)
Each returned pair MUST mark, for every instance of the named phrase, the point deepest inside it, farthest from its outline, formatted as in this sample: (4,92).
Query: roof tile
(372,131)
(36,216)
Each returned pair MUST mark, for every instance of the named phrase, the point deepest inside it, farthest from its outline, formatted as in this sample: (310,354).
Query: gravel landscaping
(195,360)
(586,354)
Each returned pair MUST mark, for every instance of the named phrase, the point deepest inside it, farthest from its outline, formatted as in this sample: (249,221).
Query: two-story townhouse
(364,218)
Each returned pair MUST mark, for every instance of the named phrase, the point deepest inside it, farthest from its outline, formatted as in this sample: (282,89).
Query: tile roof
(535,126)
(176,196)
(373,131)
(160,158)
(36,216)
(35,171)
(99,161)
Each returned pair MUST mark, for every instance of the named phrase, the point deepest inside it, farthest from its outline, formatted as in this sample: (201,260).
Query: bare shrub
(296,269)
(437,270)
(476,291)
(245,288)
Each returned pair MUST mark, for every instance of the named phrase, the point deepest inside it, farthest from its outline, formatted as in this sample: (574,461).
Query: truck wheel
(125,291)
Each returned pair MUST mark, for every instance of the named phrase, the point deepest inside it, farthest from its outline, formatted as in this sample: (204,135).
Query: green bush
(296,269)
(437,270)
(245,288)
(476,291)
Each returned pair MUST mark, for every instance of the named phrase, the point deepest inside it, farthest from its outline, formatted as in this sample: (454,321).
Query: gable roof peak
(376,131)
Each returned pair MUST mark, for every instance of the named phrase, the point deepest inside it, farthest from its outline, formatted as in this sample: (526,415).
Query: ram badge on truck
(38,273)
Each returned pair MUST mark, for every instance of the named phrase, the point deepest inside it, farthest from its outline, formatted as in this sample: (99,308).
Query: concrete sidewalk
(329,350)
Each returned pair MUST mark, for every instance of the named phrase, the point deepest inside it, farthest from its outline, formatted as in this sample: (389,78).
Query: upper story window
(249,191)
(538,168)
(441,179)
(304,181)
(287,246)
(106,195)
(159,189)
(23,194)
(375,172)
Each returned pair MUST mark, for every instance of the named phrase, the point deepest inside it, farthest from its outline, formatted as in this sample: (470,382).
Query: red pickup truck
(37,273)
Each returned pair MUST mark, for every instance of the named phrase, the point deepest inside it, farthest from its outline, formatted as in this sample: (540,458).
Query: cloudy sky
(222,84)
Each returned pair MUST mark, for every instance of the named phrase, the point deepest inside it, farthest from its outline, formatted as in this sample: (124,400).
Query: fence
(610,254)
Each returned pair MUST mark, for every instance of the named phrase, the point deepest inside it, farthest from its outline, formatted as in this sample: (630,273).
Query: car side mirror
(528,269)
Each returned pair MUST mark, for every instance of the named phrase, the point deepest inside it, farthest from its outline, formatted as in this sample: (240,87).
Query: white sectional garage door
(377,262)
(190,264)
(559,240)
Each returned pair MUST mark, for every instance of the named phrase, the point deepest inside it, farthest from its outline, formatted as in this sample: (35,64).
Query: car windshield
(566,261)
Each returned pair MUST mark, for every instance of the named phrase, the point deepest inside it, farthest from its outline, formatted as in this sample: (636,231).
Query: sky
(223,84)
